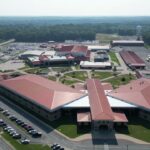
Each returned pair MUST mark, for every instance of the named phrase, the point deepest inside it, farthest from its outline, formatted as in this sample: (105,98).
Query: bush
(123,79)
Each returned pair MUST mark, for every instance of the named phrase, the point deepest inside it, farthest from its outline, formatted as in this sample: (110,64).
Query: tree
(115,71)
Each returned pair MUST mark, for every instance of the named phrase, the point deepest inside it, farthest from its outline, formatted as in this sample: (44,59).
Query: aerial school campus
(96,89)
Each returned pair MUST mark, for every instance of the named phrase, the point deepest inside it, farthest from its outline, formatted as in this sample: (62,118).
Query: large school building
(93,103)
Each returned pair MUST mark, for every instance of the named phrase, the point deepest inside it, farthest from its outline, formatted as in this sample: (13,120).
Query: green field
(81,75)
(53,78)
(68,126)
(37,70)
(137,128)
(107,38)
(19,146)
(121,80)
(61,69)
(101,75)
(67,81)
(114,57)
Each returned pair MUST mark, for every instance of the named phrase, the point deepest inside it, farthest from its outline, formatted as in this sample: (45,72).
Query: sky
(74,7)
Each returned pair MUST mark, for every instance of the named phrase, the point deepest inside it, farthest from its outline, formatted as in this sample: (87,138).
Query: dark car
(6,113)
(3,124)
(24,125)
(13,118)
(37,134)
(1,109)
(30,128)
(20,122)
(16,136)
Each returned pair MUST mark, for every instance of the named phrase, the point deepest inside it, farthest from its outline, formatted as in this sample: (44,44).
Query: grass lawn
(62,69)
(67,81)
(81,75)
(114,57)
(19,146)
(137,128)
(147,46)
(68,126)
(101,75)
(52,78)
(106,38)
(25,67)
(37,70)
(120,80)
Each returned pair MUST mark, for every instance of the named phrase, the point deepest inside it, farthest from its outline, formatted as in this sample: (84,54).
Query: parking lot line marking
(106,147)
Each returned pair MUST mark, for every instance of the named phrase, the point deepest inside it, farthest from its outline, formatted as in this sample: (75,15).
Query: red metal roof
(107,86)
(66,48)
(74,48)
(84,117)
(79,48)
(100,108)
(42,91)
(120,117)
(137,92)
(131,58)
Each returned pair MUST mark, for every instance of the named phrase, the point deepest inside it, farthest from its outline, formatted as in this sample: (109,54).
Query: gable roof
(137,92)
(44,92)
(100,108)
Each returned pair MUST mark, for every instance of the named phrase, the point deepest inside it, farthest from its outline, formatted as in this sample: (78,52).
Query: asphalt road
(4,145)
(50,136)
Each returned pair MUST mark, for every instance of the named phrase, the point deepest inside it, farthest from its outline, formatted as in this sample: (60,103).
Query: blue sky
(74,7)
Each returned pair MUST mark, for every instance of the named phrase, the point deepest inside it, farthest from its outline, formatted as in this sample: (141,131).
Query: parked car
(36,134)
(1,109)
(3,125)
(25,141)
(27,127)
(12,118)
(32,131)
(6,113)
(55,146)
(24,125)
(16,136)
(7,128)
(10,130)
(12,133)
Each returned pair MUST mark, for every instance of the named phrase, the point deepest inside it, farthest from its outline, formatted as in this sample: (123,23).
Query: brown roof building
(132,59)
(46,93)
(100,108)
(137,92)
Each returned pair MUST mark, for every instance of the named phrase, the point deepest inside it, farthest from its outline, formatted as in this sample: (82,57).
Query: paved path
(123,65)
(4,145)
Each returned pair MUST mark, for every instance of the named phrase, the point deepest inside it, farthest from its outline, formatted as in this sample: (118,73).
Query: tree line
(62,32)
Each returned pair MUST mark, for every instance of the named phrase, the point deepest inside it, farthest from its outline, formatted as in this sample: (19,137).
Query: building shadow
(102,137)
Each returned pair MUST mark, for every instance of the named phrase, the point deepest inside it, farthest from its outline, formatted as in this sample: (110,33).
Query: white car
(25,141)
(10,130)
(7,128)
